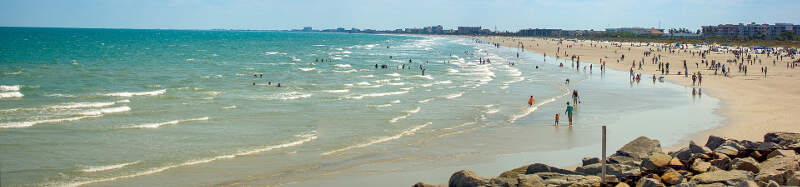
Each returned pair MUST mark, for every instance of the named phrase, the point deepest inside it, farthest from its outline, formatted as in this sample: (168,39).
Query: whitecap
(336,91)
(380,140)
(131,94)
(102,111)
(342,65)
(173,122)
(453,96)
(393,74)
(305,138)
(10,94)
(307,69)
(90,169)
(9,88)
(361,96)
(348,71)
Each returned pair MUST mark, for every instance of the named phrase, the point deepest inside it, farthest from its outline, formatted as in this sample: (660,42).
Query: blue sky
(389,14)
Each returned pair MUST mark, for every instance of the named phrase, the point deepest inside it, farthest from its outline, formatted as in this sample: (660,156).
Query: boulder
(734,144)
(466,178)
(777,169)
(714,142)
(793,180)
(622,171)
(722,176)
(773,184)
(420,184)
(712,185)
(750,144)
(539,167)
(746,164)
(649,182)
(684,154)
(624,160)
(727,150)
(639,148)
(622,184)
(504,182)
(686,184)
(514,172)
(671,177)
(768,146)
(656,160)
(782,138)
(723,163)
(694,148)
(700,166)
(530,181)
(675,163)
(590,160)
(779,152)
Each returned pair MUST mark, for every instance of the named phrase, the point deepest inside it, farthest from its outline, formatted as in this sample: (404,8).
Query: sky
(505,15)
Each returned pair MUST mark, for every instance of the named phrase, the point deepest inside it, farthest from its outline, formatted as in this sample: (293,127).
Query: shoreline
(739,113)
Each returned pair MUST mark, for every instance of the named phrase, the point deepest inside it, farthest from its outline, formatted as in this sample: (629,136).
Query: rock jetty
(642,163)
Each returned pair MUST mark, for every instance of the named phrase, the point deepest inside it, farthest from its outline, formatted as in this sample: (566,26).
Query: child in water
(556,119)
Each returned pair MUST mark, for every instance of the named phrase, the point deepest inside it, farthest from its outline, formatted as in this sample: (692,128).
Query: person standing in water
(530,101)
(575,97)
(569,113)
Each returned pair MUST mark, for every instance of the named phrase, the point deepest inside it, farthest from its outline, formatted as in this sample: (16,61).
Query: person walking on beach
(530,101)
(569,113)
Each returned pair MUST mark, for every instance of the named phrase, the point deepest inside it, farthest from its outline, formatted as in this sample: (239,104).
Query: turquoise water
(178,107)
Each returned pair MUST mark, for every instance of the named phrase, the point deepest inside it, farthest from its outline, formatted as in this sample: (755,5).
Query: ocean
(128,107)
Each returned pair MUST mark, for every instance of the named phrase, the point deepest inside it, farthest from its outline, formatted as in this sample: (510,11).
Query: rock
(714,142)
(656,160)
(514,172)
(749,144)
(649,182)
(684,154)
(671,177)
(530,181)
(675,163)
(639,148)
(748,183)
(727,150)
(777,169)
(700,166)
(622,184)
(722,176)
(686,184)
(782,138)
(734,144)
(793,180)
(590,160)
(757,155)
(694,148)
(556,182)
(420,184)
(539,167)
(779,152)
(746,164)
(767,146)
(773,184)
(712,185)
(504,182)
(624,160)
(724,163)
(466,178)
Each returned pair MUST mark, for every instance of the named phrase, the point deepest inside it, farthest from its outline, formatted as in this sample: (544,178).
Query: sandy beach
(753,104)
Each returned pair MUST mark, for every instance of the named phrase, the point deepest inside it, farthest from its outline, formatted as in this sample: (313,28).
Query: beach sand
(752,104)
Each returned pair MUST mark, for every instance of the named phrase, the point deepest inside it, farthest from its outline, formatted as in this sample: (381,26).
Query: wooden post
(604,156)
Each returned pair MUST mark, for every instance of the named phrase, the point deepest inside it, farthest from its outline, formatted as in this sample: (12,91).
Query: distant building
(540,32)
(637,30)
(308,29)
(340,29)
(752,29)
(468,30)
